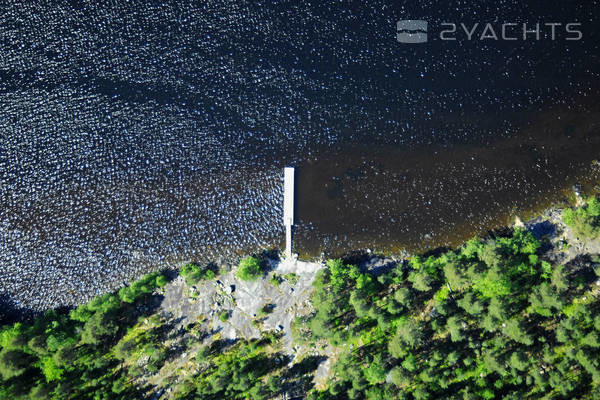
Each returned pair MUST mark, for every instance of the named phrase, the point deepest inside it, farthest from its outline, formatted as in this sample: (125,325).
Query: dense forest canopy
(490,320)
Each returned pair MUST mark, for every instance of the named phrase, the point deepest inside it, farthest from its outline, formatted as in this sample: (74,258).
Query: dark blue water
(135,136)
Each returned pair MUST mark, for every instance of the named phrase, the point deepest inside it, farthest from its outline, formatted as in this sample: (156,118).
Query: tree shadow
(307,366)
(541,229)
(356,257)
(377,266)
(268,259)
(271,254)
(581,268)
(438,251)
(298,379)
(11,312)
(504,231)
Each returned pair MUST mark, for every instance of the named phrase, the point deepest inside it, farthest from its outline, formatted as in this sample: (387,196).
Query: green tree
(120,385)
(421,280)
(38,344)
(514,330)
(409,332)
(489,254)
(454,327)
(471,305)
(65,355)
(13,337)
(591,340)
(224,316)
(403,296)
(584,221)
(360,304)
(492,283)
(13,363)
(40,391)
(161,280)
(518,361)
(51,369)
(454,276)
(193,273)
(375,373)
(544,300)
(559,278)
(99,326)
(249,269)
(399,377)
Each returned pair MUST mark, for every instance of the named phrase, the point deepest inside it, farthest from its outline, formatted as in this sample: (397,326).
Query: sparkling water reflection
(135,136)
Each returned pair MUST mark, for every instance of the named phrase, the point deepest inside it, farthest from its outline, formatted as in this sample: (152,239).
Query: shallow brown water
(389,199)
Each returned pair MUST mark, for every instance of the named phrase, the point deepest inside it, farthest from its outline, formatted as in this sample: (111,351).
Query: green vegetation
(265,310)
(224,316)
(254,369)
(249,269)
(276,279)
(79,355)
(584,221)
(292,278)
(145,285)
(193,273)
(490,320)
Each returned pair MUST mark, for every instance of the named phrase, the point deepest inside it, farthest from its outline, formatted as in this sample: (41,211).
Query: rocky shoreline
(242,301)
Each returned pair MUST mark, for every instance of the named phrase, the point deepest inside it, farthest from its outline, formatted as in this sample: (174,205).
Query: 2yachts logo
(412,31)
(415,31)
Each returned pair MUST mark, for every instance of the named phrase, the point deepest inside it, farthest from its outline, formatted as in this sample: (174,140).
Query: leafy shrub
(193,273)
(276,280)
(292,278)
(249,269)
(265,310)
(143,286)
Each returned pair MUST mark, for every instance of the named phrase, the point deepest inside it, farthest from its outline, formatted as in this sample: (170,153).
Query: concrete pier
(288,208)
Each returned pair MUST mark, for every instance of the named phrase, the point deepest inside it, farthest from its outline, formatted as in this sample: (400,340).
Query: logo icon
(412,31)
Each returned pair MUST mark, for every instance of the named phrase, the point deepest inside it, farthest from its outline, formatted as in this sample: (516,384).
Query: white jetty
(288,208)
